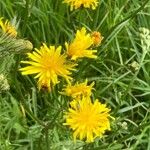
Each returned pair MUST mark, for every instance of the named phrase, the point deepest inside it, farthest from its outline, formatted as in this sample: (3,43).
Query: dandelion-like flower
(97,38)
(80,47)
(88,120)
(78,90)
(8,28)
(75,4)
(48,63)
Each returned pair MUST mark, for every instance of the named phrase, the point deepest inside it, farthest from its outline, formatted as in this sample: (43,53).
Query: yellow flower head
(8,28)
(80,47)
(48,64)
(78,90)
(97,38)
(88,120)
(75,4)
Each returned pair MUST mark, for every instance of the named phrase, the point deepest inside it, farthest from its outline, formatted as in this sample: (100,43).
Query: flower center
(88,119)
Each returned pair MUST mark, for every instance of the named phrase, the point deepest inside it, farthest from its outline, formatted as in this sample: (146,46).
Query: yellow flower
(88,120)
(97,38)
(48,64)
(75,4)
(80,47)
(78,90)
(8,28)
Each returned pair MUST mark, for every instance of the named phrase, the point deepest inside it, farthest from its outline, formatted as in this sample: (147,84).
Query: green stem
(26,13)
(115,27)
(124,138)
(135,75)
(47,139)
(20,94)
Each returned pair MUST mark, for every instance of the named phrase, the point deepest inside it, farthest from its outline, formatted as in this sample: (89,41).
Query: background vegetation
(32,120)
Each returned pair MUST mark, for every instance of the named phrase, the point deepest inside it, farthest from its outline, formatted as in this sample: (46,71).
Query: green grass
(123,88)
